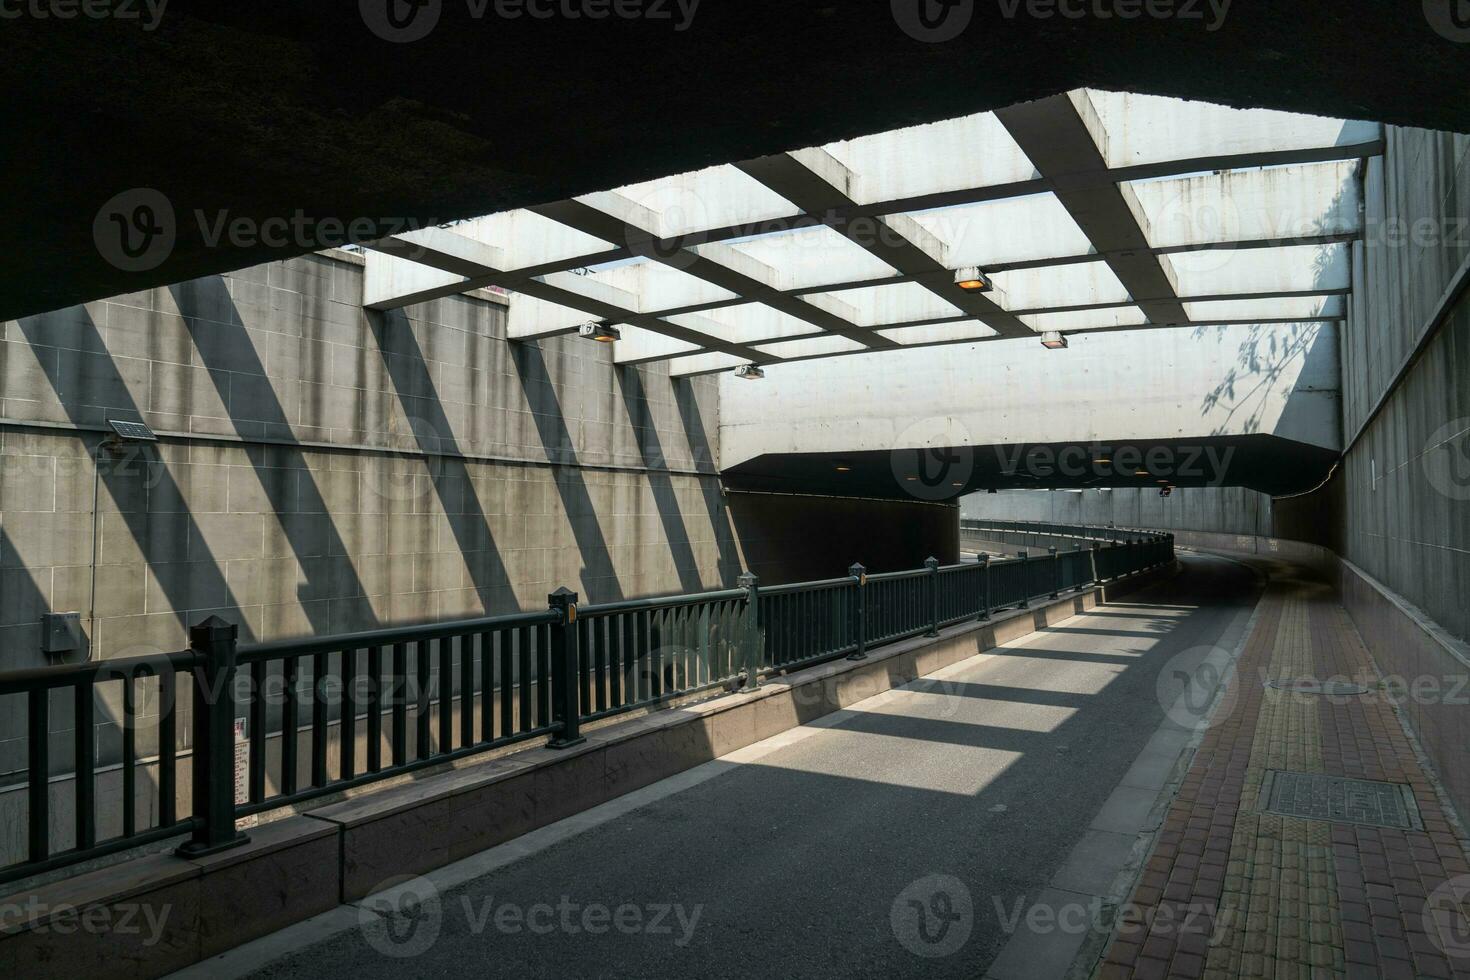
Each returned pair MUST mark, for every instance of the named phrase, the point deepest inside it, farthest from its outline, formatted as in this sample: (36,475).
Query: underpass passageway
(812,853)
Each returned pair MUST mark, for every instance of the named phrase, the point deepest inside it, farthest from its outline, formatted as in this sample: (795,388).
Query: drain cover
(1309,685)
(1313,796)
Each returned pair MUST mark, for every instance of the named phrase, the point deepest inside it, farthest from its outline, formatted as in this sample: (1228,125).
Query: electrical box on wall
(61,633)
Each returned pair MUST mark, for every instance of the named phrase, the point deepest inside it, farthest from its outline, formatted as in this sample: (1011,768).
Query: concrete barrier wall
(1400,504)
(1231,510)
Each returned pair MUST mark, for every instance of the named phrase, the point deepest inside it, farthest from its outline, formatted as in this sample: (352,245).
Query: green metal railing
(321,715)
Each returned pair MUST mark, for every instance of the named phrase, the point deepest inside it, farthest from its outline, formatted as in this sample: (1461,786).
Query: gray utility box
(61,633)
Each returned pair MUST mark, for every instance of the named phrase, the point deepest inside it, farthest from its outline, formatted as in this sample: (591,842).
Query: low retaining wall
(153,915)
(1429,669)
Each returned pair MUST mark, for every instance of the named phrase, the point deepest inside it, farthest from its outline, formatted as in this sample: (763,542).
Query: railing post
(860,611)
(564,669)
(1056,573)
(985,576)
(1025,579)
(751,585)
(932,564)
(214,740)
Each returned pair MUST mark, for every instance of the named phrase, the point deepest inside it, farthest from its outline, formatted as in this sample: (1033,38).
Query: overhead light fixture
(844,467)
(750,372)
(972,280)
(1142,473)
(604,333)
(1053,340)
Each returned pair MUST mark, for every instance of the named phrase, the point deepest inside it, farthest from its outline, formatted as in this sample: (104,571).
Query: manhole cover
(1310,685)
(1312,796)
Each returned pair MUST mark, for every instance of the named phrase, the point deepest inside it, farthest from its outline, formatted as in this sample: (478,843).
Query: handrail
(430,694)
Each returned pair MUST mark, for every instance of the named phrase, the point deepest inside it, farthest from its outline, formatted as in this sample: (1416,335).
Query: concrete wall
(1400,502)
(323,469)
(1230,510)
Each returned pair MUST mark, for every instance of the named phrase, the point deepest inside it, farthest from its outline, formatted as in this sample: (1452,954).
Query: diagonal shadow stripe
(181,581)
(556,440)
(448,472)
(640,417)
(300,494)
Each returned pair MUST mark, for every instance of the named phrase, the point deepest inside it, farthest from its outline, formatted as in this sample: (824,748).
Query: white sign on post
(242,770)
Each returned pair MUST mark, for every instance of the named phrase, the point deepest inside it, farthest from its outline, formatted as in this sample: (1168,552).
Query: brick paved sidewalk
(1233,891)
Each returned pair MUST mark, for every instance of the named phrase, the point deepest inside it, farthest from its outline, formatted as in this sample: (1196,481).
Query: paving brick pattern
(1231,891)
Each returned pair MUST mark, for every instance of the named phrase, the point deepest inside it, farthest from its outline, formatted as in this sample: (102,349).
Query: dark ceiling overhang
(1265,463)
(289,110)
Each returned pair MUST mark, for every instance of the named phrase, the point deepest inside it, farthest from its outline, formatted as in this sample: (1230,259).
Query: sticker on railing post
(242,772)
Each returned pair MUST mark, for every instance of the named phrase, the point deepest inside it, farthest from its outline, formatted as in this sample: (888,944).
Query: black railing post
(1025,579)
(751,585)
(564,669)
(214,739)
(1056,573)
(985,587)
(860,611)
(932,564)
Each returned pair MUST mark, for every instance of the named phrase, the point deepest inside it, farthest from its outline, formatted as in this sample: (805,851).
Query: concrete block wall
(322,468)
(1401,500)
(1227,510)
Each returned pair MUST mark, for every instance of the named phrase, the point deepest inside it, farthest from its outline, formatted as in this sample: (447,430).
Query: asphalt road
(807,859)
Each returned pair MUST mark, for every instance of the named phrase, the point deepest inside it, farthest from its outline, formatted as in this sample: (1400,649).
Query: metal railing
(278,724)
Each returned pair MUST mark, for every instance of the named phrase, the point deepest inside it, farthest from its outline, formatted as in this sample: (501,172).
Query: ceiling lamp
(1053,340)
(971,279)
(604,333)
(749,372)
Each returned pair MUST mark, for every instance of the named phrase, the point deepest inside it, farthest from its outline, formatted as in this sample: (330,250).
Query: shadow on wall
(793,538)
